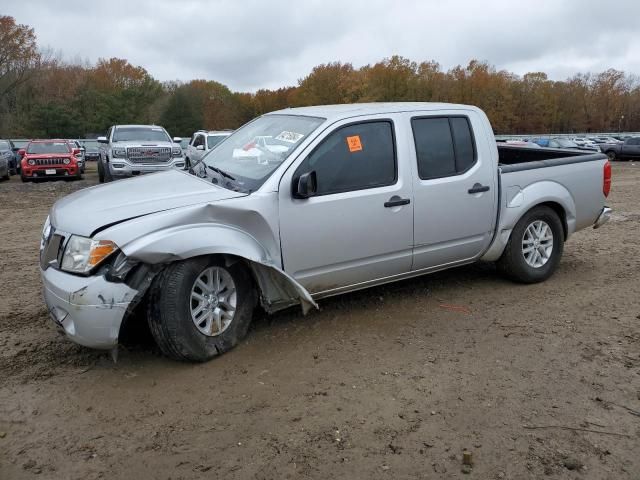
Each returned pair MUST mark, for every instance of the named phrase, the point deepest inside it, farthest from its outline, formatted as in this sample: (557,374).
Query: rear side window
(354,157)
(444,146)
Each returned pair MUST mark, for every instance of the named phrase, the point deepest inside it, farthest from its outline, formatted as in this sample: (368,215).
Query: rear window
(444,146)
(48,147)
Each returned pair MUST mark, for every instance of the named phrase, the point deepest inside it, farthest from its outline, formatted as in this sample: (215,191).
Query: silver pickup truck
(306,203)
(130,150)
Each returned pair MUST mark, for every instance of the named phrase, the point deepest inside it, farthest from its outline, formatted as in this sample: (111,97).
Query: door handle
(396,201)
(478,188)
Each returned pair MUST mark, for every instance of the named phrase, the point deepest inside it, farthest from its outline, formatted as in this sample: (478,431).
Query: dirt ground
(539,381)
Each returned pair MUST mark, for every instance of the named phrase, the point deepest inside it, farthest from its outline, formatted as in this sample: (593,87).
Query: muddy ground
(538,381)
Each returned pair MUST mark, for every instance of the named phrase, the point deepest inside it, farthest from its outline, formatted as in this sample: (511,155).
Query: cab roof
(336,112)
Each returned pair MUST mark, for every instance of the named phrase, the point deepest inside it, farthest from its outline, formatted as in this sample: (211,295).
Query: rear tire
(173,308)
(535,247)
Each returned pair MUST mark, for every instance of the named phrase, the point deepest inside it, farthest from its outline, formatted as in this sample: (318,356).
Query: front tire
(100,171)
(612,155)
(200,308)
(535,247)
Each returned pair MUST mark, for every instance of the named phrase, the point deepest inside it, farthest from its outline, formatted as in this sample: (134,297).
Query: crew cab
(43,159)
(355,196)
(130,150)
(201,143)
(627,150)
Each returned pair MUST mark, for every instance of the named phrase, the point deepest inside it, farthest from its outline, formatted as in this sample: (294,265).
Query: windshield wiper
(221,172)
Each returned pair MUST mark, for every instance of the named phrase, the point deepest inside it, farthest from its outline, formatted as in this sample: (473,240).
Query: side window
(444,146)
(354,157)
(634,141)
(198,141)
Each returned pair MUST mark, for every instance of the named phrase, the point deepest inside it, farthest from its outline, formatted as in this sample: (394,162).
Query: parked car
(49,159)
(184,144)
(627,150)
(586,143)
(91,150)
(201,143)
(7,156)
(18,146)
(601,140)
(561,143)
(364,195)
(519,143)
(130,150)
(75,144)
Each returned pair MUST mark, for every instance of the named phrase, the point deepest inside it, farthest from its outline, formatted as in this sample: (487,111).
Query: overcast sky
(251,44)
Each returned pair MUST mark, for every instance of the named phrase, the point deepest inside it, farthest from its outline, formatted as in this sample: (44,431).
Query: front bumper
(120,167)
(89,310)
(60,171)
(604,217)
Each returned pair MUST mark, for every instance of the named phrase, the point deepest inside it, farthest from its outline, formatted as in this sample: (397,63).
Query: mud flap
(279,290)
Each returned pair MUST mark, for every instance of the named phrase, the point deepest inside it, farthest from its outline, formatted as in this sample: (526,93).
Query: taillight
(606,179)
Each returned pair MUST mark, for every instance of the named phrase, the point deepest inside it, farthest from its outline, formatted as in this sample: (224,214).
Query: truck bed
(512,158)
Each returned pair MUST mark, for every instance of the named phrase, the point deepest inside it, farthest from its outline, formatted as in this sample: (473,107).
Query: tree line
(44,96)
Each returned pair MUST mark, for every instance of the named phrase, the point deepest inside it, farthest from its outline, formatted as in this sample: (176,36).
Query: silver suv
(201,143)
(130,150)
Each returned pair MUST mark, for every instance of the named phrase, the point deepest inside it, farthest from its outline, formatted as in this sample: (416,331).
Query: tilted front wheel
(200,308)
(534,248)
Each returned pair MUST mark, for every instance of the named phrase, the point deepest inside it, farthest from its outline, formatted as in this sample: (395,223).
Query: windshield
(48,147)
(213,140)
(140,134)
(4,145)
(247,157)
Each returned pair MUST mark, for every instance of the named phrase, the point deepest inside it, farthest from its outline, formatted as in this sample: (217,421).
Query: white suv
(201,143)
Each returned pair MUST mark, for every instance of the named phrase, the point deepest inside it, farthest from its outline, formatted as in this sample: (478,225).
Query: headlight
(176,152)
(46,231)
(82,254)
(31,162)
(119,152)
(66,161)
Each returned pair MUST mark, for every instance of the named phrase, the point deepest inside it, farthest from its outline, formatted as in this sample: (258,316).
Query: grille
(49,161)
(149,154)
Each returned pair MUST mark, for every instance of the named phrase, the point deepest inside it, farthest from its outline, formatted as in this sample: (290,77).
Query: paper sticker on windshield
(289,137)
(354,143)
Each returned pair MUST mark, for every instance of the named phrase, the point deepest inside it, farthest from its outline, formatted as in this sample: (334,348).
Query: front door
(359,225)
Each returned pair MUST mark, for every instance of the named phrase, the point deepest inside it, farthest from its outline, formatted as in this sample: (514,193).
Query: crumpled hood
(87,210)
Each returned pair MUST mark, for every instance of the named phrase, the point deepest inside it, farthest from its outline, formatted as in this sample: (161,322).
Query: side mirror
(76,151)
(177,139)
(307,185)
(103,140)
(22,152)
(200,147)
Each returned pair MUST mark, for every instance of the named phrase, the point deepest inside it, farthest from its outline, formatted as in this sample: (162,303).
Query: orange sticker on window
(354,143)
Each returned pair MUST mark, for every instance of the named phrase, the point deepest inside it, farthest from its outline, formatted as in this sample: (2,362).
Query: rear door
(359,226)
(631,147)
(454,187)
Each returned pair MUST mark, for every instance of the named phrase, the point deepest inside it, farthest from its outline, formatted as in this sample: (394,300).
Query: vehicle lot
(391,382)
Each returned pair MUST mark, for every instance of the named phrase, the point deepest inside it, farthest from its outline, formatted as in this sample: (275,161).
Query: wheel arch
(277,289)
(521,201)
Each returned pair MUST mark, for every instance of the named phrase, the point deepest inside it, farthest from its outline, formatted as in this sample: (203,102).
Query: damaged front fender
(278,290)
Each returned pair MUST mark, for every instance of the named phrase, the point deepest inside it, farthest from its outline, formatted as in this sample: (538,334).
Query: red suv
(49,159)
